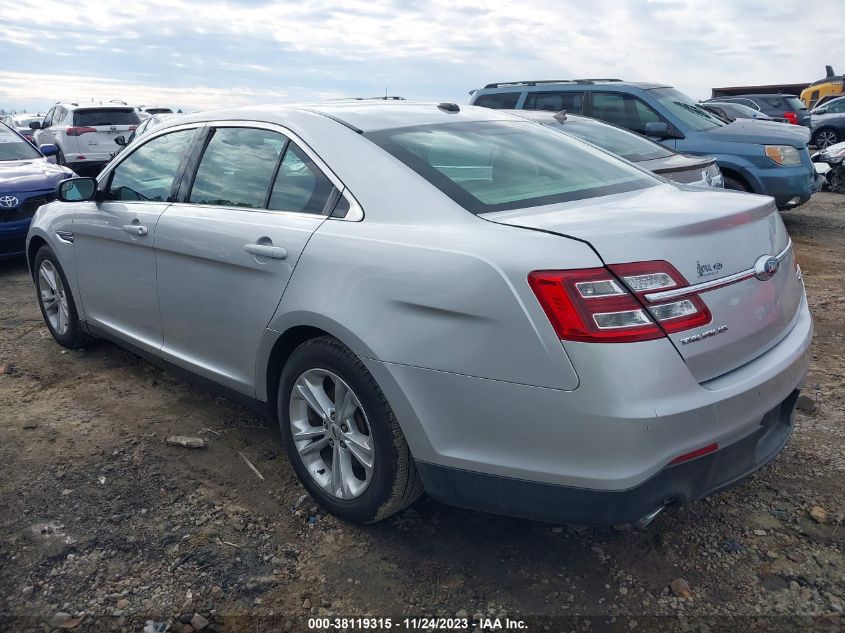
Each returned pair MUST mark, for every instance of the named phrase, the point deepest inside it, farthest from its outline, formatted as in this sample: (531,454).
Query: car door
(227,249)
(115,260)
(44,135)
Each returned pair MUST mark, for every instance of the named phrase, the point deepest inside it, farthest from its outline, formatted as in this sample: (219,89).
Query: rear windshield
(14,147)
(502,165)
(795,103)
(92,117)
(498,101)
(621,142)
(158,111)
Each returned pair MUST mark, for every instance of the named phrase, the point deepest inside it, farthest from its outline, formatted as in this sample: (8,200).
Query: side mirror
(77,189)
(35,125)
(657,128)
(120,140)
(48,149)
(820,110)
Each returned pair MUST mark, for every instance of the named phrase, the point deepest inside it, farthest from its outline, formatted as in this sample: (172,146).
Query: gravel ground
(104,527)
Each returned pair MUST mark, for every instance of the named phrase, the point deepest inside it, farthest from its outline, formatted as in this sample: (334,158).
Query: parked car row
(766,159)
(459,300)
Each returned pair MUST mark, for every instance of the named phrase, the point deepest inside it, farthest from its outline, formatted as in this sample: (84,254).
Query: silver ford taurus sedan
(443,298)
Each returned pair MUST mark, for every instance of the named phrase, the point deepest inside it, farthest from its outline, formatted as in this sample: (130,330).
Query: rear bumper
(681,483)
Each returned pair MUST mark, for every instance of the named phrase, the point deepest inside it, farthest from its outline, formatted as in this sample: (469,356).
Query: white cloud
(435,49)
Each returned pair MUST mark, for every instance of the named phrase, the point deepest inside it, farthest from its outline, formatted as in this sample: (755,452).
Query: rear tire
(825,137)
(56,301)
(736,184)
(322,371)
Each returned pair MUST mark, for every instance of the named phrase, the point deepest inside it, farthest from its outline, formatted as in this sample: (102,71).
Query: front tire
(736,184)
(341,435)
(56,301)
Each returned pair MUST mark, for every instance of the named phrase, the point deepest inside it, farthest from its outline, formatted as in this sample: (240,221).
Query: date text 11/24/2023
(415,624)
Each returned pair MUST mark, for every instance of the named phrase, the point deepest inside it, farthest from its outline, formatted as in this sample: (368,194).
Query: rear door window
(147,174)
(93,117)
(237,167)
(300,186)
(555,101)
(498,101)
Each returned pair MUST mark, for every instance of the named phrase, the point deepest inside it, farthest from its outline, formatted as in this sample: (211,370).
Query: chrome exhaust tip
(644,520)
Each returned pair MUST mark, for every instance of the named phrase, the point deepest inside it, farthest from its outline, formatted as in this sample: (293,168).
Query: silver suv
(85,134)
(443,298)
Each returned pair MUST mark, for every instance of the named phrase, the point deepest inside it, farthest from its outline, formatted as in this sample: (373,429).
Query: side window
(555,101)
(48,119)
(624,110)
(147,173)
(237,167)
(300,186)
(498,101)
(839,106)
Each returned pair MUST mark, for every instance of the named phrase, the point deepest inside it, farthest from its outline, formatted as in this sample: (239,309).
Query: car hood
(750,131)
(31,175)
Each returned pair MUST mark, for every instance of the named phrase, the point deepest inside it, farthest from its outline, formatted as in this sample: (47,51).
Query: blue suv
(27,180)
(755,156)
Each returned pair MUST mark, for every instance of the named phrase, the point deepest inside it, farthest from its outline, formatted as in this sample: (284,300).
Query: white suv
(85,133)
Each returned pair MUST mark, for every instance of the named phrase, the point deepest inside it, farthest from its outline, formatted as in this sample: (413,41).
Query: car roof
(760,94)
(360,116)
(546,84)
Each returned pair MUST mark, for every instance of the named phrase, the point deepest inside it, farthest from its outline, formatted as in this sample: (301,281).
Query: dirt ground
(104,527)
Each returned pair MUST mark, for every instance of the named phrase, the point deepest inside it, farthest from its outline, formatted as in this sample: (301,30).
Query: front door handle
(135,229)
(264,250)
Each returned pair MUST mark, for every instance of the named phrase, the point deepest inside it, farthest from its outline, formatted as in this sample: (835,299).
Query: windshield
(501,165)
(686,109)
(13,147)
(621,142)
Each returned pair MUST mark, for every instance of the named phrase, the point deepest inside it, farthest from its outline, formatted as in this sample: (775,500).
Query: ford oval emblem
(765,267)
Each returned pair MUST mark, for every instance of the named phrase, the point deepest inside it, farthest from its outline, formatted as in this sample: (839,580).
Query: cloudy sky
(200,54)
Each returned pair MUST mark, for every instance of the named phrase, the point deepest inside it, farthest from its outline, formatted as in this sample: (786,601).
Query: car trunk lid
(713,238)
(96,128)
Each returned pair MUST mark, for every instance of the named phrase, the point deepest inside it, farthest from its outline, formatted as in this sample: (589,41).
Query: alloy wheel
(826,138)
(331,433)
(53,297)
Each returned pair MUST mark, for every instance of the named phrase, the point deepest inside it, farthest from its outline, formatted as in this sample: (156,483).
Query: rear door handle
(263,250)
(135,229)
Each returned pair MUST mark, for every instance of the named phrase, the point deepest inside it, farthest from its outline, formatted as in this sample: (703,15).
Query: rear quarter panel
(452,298)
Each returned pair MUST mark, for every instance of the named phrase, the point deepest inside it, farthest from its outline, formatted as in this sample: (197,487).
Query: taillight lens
(77,131)
(609,306)
(792,117)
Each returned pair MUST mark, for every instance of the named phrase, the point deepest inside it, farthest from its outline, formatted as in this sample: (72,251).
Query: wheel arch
(35,243)
(730,172)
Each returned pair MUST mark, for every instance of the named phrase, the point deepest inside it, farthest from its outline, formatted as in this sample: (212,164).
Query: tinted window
(237,167)
(696,117)
(498,101)
(92,117)
(794,103)
(13,147)
(300,185)
(624,110)
(148,172)
(495,166)
(621,142)
(555,101)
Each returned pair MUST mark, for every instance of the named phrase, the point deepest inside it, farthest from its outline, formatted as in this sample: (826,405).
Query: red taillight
(609,306)
(792,117)
(699,452)
(77,131)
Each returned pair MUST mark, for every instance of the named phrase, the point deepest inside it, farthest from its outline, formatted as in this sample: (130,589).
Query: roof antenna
(449,107)
(560,116)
